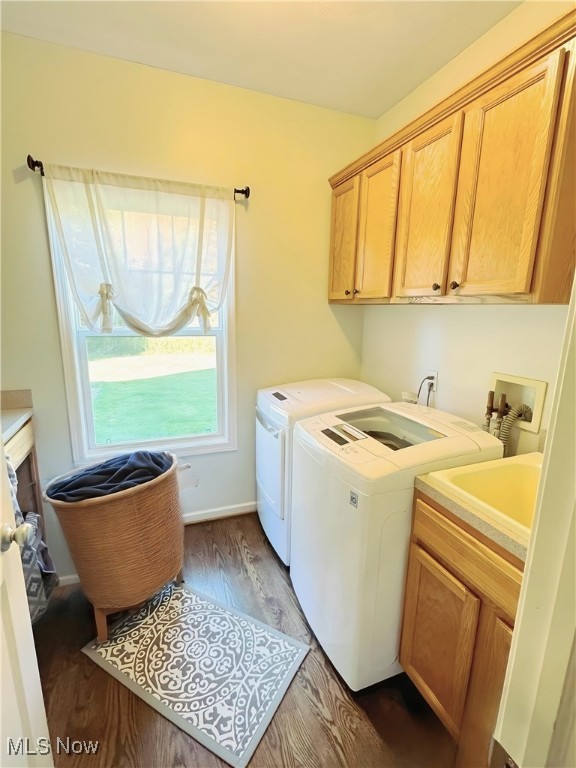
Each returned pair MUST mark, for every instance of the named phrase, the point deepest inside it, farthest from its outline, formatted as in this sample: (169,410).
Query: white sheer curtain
(157,251)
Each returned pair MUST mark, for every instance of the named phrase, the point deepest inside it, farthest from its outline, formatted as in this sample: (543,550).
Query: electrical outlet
(434,382)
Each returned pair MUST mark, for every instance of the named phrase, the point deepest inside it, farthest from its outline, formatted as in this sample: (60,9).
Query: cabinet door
(485,689)
(506,148)
(438,635)
(344,237)
(377,228)
(425,217)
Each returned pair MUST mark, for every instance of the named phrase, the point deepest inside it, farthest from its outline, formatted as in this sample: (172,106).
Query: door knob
(454,285)
(356,291)
(22,535)
(346,293)
(435,287)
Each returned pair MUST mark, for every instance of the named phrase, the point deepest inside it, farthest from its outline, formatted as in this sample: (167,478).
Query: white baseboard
(189,519)
(214,514)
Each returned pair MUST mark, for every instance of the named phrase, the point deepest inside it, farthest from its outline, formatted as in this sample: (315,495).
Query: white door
(23,727)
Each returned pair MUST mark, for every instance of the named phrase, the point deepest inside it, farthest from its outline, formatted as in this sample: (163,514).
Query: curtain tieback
(106,292)
(197,305)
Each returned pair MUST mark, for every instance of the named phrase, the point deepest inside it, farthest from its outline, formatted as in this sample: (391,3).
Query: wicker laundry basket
(125,545)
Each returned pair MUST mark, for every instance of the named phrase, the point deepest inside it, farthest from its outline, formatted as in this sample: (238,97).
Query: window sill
(180,448)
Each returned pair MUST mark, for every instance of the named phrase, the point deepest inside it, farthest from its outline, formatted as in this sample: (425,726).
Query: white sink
(503,491)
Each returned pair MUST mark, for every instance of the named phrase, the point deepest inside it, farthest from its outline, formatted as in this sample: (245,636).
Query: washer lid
(286,403)
(404,438)
(391,429)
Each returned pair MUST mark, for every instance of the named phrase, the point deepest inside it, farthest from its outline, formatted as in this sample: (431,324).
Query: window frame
(77,382)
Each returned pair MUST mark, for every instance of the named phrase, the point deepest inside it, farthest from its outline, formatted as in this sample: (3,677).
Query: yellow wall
(74,108)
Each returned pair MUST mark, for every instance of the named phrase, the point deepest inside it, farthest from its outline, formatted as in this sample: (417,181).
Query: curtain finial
(33,164)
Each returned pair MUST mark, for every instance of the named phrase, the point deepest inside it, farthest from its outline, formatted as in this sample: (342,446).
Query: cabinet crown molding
(546,41)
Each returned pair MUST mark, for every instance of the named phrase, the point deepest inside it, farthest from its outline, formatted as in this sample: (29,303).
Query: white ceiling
(358,57)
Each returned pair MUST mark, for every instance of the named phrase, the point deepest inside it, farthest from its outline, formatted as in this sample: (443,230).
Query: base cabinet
(437,655)
(485,688)
(21,451)
(459,609)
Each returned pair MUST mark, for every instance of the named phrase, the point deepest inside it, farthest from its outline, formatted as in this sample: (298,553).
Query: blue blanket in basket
(112,476)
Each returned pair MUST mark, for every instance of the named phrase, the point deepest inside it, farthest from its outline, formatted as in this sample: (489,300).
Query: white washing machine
(352,491)
(277,410)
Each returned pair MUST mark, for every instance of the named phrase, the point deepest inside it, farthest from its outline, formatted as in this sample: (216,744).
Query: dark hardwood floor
(319,723)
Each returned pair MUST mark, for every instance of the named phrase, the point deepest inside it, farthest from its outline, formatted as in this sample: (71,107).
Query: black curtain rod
(34,164)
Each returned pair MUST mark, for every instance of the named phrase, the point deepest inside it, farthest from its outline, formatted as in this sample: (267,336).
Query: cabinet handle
(346,293)
(435,287)
(454,285)
(356,290)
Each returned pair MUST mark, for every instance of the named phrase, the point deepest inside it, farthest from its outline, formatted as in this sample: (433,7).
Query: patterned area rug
(216,673)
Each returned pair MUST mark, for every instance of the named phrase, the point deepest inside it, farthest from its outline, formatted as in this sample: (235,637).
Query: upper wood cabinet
(379,186)
(487,192)
(504,163)
(427,197)
(364,212)
(344,235)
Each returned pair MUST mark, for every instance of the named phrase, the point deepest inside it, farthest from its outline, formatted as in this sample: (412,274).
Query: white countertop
(13,420)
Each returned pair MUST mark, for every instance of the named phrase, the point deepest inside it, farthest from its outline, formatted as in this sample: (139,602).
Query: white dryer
(352,491)
(277,410)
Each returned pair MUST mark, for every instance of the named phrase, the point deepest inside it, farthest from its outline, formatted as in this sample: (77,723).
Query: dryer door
(270,473)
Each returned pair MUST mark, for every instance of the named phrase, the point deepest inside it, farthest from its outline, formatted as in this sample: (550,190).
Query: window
(162,268)
(127,391)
